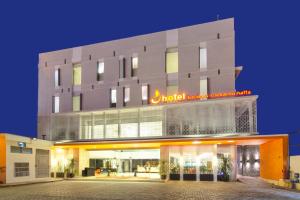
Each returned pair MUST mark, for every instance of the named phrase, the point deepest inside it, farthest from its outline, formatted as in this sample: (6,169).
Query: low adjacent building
(23,159)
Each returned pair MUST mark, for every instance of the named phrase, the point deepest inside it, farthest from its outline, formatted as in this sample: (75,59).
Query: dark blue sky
(267,45)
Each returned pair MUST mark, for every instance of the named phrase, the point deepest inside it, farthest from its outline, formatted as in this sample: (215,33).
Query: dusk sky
(267,45)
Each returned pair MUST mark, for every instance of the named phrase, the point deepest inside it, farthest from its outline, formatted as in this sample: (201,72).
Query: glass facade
(207,118)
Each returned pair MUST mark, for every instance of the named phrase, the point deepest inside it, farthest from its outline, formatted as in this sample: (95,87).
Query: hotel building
(163,103)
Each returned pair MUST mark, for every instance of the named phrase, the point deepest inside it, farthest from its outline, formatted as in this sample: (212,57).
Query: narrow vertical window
(122,68)
(77,74)
(145,92)
(55,104)
(57,77)
(113,97)
(203,58)
(77,102)
(100,71)
(126,95)
(203,87)
(134,66)
(172,61)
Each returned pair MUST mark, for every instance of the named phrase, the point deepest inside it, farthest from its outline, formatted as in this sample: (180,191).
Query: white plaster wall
(11,158)
(295,164)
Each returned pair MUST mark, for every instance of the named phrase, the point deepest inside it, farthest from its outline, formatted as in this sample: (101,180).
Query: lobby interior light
(196,142)
(230,141)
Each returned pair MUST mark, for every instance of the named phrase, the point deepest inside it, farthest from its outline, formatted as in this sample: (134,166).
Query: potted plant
(60,170)
(163,169)
(71,168)
(174,172)
(225,168)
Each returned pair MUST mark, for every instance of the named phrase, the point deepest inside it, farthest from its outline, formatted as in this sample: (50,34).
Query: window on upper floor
(113,97)
(55,104)
(57,77)
(134,66)
(77,103)
(126,95)
(203,58)
(203,86)
(76,74)
(100,70)
(145,93)
(172,60)
(122,62)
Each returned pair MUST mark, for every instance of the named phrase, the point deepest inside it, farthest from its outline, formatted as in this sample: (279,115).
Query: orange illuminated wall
(273,159)
(2,159)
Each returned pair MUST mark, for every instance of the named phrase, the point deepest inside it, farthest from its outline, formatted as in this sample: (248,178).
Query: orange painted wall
(274,158)
(2,159)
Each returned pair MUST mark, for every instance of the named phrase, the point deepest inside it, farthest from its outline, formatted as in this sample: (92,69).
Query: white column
(197,164)
(233,154)
(181,164)
(215,162)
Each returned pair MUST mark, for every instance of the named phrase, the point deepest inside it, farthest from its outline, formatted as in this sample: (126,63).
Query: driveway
(69,190)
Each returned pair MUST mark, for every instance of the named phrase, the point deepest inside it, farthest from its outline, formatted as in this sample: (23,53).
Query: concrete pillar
(197,164)
(233,154)
(215,162)
(164,156)
(181,163)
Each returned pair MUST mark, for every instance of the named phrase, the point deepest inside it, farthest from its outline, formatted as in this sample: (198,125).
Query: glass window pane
(145,92)
(56,77)
(203,58)
(113,95)
(76,103)
(77,74)
(129,130)
(150,129)
(100,67)
(126,94)
(172,62)
(134,62)
(112,130)
(56,104)
(98,131)
(203,87)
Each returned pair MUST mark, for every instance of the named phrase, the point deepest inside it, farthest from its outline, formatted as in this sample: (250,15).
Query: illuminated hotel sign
(158,98)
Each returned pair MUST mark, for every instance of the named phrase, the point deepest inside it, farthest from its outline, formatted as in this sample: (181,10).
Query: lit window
(100,71)
(57,77)
(113,96)
(203,58)
(77,74)
(126,94)
(55,104)
(203,86)
(150,129)
(129,130)
(76,103)
(145,92)
(134,62)
(134,66)
(172,62)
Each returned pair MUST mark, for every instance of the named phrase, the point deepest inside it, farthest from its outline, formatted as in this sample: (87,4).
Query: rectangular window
(134,66)
(112,131)
(203,86)
(55,104)
(126,94)
(122,68)
(203,58)
(151,129)
(21,169)
(113,97)
(145,93)
(129,130)
(57,77)
(23,150)
(172,61)
(77,103)
(100,71)
(77,74)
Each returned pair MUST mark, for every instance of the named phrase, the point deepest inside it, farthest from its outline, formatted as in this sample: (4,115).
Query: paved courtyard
(68,190)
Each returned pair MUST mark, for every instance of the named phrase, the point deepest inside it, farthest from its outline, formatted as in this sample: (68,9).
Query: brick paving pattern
(75,190)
